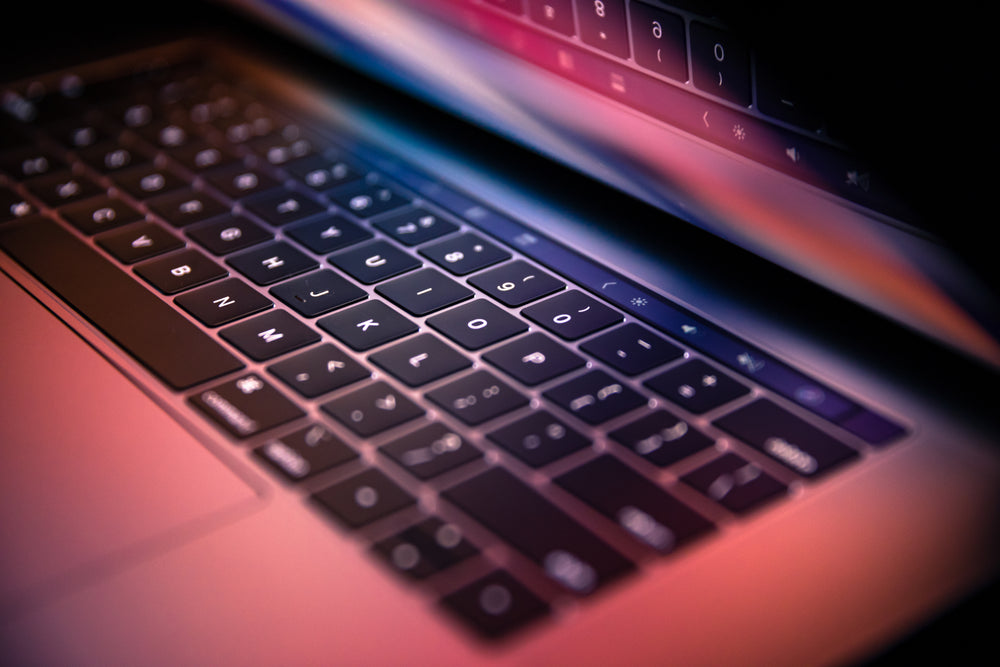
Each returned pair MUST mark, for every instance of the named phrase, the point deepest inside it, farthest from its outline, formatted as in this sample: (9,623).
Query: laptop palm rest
(99,477)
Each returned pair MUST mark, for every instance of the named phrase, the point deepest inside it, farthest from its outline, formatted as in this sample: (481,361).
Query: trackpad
(94,476)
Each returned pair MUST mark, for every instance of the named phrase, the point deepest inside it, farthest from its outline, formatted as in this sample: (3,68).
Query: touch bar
(162,339)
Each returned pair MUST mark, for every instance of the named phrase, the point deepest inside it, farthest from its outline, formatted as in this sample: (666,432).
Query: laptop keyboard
(505,422)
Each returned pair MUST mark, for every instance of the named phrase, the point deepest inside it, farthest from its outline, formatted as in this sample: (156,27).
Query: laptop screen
(675,106)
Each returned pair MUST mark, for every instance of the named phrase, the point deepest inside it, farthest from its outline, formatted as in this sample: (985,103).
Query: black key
(364,498)
(477,324)
(99,214)
(138,242)
(420,359)
(632,349)
(464,253)
(328,234)
(269,335)
(13,205)
(496,605)
(640,507)
(661,438)
(30,162)
(319,370)
(223,302)
(322,173)
(271,263)
(539,439)
(111,156)
(160,337)
(306,452)
(374,408)
(572,315)
(595,397)
(63,187)
(422,292)
(477,397)
(237,181)
(740,486)
(186,207)
(696,386)
(786,438)
(720,63)
(430,451)
(147,180)
(279,149)
(515,512)
(659,41)
(180,270)
(318,293)
(516,283)
(602,24)
(368,325)
(284,207)
(228,234)
(553,14)
(534,359)
(375,261)
(415,226)
(365,199)
(426,548)
(199,155)
(246,406)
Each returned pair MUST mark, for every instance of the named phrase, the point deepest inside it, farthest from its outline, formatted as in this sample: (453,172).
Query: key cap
(323,173)
(186,207)
(595,397)
(368,325)
(516,283)
(198,155)
(13,205)
(430,451)
(720,63)
(283,207)
(111,156)
(420,359)
(786,438)
(696,386)
(223,302)
(477,324)
(534,359)
(180,270)
(229,234)
(424,291)
(602,24)
(138,242)
(464,253)
(374,261)
(496,605)
(572,315)
(365,199)
(319,370)
(659,41)
(477,398)
(272,263)
(426,548)
(553,14)
(363,498)
(740,486)
(373,408)
(328,234)
(306,452)
(99,214)
(159,336)
(644,510)
(539,439)
(147,180)
(269,335)
(246,406)
(318,293)
(415,226)
(661,438)
(632,349)
(567,552)
(237,181)
(63,187)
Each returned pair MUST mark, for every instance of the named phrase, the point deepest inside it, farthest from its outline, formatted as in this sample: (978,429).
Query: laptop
(492,332)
